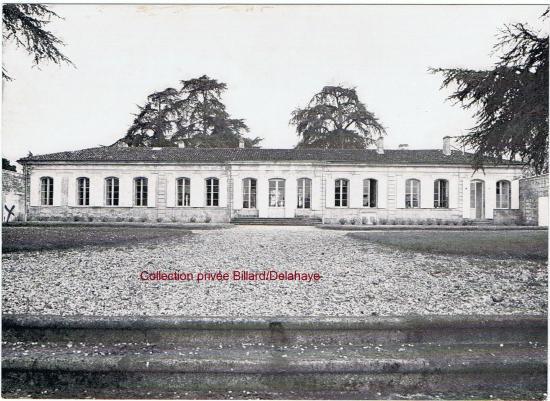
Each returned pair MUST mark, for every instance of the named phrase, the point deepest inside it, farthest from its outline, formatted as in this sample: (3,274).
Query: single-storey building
(183,184)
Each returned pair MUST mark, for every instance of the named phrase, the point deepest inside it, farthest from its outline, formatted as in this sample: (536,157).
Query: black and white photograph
(274,201)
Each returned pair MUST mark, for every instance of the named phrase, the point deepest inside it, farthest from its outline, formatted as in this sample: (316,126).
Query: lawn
(527,245)
(36,238)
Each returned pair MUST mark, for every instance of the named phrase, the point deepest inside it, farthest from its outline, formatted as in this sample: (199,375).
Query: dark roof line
(225,155)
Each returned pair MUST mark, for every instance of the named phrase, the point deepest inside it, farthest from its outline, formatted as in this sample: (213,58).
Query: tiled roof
(210,155)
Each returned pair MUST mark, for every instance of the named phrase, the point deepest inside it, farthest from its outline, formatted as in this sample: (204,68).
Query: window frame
(303,183)
(409,185)
(370,203)
(185,188)
(499,196)
(85,198)
(278,202)
(109,201)
(46,191)
(210,192)
(338,195)
(143,192)
(437,194)
(250,193)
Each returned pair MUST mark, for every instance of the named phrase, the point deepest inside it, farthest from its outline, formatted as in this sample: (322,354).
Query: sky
(272,58)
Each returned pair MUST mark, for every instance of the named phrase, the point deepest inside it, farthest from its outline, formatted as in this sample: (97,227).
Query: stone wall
(13,191)
(530,190)
(98,213)
(507,216)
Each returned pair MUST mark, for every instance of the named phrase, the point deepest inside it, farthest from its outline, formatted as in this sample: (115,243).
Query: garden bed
(428,228)
(526,245)
(47,238)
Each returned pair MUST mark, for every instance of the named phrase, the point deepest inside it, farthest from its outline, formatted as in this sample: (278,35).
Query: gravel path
(358,278)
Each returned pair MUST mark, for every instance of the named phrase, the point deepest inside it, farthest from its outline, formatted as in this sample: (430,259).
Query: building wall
(531,189)
(162,191)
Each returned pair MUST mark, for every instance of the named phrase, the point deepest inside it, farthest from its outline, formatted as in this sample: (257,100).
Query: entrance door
(477,199)
(276,198)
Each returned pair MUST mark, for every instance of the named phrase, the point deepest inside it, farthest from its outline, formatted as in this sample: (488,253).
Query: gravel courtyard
(358,278)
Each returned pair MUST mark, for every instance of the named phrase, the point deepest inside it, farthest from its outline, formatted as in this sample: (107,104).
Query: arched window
(441,194)
(111,191)
(140,191)
(304,193)
(212,192)
(46,191)
(83,191)
(249,193)
(370,188)
(276,192)
(183,191)
(412,193)
(341,193)
(503,194)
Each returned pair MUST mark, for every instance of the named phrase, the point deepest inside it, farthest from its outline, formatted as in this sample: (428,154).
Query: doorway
(477,199)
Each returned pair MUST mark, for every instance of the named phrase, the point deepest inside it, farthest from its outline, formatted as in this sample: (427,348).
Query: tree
(336,118)
(193,114)
(510,101)
(25,24)
(6,165)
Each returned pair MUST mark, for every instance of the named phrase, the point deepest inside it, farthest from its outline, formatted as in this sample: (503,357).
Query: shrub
(76,218)
(455,222)
(420,222)
(143,219)
(429,222)
(159,219)
(383,221)
(438,222)
(193,219)
(173,219)
(447,222)
(410,222)
(131,219)
(119,219)
(105,219)
(365,220)
(391,222)
(374,221)
(343,221)
(90,218)
(207,219)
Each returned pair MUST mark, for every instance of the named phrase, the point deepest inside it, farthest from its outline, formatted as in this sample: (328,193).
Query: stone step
(373,358)
(276,220)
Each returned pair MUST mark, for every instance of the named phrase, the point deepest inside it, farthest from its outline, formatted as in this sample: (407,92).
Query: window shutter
(514,202)
(400,192)
(426,193)
(453,193)
(382,195)
(465,198)
(330,182)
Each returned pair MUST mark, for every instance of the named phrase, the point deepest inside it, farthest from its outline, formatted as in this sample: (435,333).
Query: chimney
(380,146)
(447,145)
(241,143)
(403,146)
(181,143)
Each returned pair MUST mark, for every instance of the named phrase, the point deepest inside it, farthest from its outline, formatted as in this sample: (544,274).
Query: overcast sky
(273,59)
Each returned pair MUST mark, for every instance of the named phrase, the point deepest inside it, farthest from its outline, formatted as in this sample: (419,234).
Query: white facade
(391,192)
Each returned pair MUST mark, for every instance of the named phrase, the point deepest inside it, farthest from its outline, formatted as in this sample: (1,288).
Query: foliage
(25,25)
(336,118)
(510,101)
(193,114)
(6,165)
